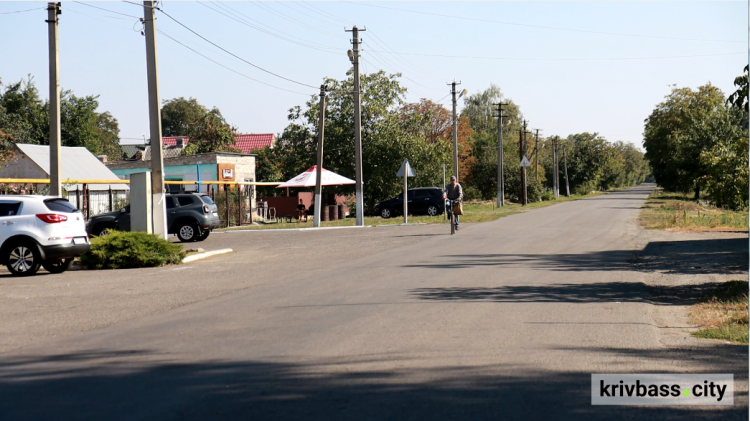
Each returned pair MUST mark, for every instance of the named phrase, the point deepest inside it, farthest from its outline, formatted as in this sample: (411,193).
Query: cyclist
(454,191)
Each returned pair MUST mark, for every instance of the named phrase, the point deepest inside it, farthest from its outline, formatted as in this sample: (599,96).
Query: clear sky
(571,66)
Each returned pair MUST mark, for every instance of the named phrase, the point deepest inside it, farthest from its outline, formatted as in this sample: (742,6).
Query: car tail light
(206,209)
(52,218)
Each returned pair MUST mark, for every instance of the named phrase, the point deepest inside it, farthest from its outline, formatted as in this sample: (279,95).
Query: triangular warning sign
(405,167)
(525,162)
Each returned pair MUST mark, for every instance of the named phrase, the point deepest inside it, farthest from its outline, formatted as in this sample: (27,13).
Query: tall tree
(178,114)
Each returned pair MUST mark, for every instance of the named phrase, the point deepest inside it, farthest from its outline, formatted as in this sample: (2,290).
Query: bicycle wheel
(453,223)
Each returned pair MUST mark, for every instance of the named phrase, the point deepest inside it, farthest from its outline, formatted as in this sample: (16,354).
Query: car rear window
(9,209)
(207,200)
(60,205)
(185,200)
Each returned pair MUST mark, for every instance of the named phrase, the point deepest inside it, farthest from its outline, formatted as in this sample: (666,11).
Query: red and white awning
(307,179)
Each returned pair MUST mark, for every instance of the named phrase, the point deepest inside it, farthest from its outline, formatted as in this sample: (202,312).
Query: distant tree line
(697,141)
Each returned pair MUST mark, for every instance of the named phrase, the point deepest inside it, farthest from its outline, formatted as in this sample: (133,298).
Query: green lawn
(665,210)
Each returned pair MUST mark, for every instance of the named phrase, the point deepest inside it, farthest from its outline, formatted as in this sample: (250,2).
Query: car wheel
(187,231)
(23,259)
(432,210)
(103,231)
(203,236)
(57,266)
(385,213)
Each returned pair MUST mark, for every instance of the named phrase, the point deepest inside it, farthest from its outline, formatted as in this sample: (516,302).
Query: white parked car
(40,231)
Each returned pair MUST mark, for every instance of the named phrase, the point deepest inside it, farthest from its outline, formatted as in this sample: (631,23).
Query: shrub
(120,250)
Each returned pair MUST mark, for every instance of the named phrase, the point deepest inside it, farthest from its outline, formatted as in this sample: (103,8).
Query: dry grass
(676,212)
(724,313)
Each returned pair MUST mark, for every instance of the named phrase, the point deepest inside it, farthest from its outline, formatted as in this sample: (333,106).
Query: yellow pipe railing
(46,181)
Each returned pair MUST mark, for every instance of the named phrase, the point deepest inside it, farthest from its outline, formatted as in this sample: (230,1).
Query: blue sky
(562,62)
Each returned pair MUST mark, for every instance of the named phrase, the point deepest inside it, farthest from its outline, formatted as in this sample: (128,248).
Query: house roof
(244,142)
(129,151)
(77,163)
(252,142)
(167,152)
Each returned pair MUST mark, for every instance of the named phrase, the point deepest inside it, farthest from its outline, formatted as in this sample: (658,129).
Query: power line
(235,55)
(107,10)
(382,43)
(539,26)
(555,59)
(315,9)
(285,16)
(21,11)
(228,68)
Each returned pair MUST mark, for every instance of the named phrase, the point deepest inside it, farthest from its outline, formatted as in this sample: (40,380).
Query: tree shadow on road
(95,387)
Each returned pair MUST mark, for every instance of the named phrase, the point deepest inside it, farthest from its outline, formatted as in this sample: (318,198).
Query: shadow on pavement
(725,255)
(43,389)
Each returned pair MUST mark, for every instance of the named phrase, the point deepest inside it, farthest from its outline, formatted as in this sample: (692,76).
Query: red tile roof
(252,142)
(247,143)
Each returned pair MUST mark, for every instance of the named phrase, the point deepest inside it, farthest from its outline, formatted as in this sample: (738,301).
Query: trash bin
(334,214)
(341,211)
(324,213)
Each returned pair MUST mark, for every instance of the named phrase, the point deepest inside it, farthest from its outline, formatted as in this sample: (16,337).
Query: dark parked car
(190,216)
(421,200)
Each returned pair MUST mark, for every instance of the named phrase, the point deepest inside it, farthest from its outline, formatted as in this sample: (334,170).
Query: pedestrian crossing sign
(525,162)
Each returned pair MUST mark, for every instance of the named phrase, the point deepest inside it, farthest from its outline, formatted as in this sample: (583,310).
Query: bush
(120,250)
(548,195)
(472,193)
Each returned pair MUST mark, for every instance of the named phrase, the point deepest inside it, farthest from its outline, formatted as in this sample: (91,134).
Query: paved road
(506,320)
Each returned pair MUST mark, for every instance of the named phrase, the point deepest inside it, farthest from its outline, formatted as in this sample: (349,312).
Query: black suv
(421,200)
(189,215)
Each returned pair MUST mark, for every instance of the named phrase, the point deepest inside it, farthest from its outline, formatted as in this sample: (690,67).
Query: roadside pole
(455,129)
(565,164)
(500,176)
(55,187)
(536,155)
(555,169)
(406,199)
(359,200)
(159,205)
(523,168)
(319,174)
(445,209)
(406,171)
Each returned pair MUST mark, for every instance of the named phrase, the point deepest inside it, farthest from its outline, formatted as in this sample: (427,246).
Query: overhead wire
(22,11)
(382,43)
(269,32)
(285,16)
(539,26)
(107,10)
(321,12)
(559,59)
(235,55)
(228,68)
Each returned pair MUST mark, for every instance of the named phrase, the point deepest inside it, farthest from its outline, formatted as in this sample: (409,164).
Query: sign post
(406,171)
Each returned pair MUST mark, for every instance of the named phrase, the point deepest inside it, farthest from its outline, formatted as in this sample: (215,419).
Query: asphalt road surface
(505,320)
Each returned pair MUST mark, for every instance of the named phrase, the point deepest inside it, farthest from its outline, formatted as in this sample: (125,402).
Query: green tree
(178,114)
(24,115)
(676,134)
(210,133)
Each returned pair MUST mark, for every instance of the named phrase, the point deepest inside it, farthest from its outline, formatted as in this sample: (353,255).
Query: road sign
(406,168)
(525,162)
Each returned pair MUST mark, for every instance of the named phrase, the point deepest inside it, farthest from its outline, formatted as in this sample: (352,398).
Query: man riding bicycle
(453,192)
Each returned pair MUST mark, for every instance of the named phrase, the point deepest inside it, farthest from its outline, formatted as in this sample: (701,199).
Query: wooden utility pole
(524,194)
(354,58)
(536,155)
(555,169)
(55,187)
(500,177)
(319,174)
(158,204)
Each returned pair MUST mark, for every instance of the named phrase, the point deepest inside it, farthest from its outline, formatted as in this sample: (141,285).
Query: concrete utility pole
(455,129)
(565,163)
(536,155)
(500,176)
(159,210)
(319,175)
(354,57)
(524,151)
(55,188)
(555,169)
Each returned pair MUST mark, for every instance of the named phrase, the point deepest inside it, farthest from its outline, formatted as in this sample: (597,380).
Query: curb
(291,229)
(200,256)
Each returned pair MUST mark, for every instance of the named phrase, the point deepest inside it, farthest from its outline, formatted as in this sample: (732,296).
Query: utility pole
(565,163)
(523,169)
(158,204)
(455,129)
(555,169)
(500,176)
(536,155)
(55,187)
(354,58)
(319,174)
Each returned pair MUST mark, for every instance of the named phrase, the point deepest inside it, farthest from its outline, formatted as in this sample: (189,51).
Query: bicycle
(449,206)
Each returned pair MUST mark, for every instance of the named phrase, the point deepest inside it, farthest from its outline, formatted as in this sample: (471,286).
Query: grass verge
(723,313)
(474,211)
(675,211)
